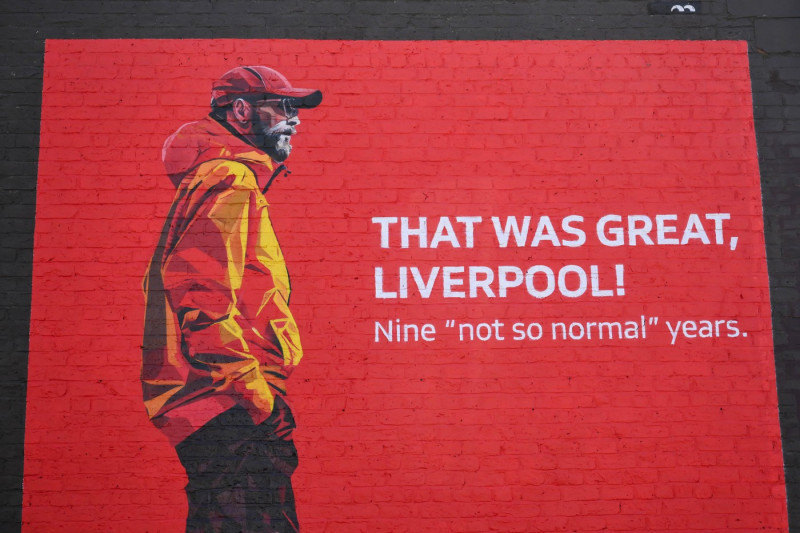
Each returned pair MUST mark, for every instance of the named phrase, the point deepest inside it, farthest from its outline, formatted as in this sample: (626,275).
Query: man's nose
(294,121)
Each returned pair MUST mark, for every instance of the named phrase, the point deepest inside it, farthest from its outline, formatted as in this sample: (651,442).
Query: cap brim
(302,98)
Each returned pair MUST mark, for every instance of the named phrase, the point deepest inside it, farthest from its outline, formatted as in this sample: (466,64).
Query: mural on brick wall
(220,340)
(529,279)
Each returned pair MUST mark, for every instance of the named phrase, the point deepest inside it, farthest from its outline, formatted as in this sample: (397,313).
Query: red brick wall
(653,431)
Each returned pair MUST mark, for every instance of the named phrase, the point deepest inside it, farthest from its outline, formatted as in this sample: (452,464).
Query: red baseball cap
(260,82)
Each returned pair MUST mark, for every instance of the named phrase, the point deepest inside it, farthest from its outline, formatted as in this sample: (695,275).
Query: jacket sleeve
(227,283)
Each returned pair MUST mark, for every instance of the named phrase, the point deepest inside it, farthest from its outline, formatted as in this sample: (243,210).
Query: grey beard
(278,147)
(275,143)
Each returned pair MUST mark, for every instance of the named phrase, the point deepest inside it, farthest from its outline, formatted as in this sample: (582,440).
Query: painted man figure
(219,339)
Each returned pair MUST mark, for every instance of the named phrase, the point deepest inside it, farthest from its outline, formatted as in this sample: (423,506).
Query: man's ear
(242,111)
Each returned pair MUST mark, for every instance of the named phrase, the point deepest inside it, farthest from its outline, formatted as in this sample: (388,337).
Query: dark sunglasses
(283,104)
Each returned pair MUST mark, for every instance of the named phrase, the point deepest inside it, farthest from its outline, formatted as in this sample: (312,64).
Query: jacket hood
(204,140)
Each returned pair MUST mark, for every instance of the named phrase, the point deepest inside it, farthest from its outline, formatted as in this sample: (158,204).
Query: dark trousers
(240,474)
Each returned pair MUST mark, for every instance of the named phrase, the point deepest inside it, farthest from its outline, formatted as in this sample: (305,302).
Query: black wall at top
(771,28)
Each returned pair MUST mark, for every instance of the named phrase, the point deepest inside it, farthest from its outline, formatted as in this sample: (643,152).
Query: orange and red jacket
(218,330)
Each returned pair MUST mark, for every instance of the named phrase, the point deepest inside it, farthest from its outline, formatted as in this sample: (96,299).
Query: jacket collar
(241,149)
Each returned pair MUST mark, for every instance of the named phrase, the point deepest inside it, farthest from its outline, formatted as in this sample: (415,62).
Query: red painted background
(444,435)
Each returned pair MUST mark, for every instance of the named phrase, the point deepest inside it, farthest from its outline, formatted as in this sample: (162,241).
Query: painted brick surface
(656,431)
(775,93)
